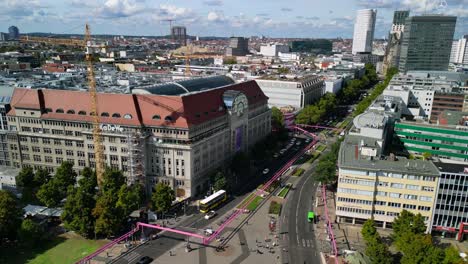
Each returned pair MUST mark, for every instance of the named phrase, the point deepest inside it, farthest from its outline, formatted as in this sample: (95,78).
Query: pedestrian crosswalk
(132,256)
(309,243)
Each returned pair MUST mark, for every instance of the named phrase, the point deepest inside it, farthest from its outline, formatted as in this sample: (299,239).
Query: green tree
(325,172)
(427,155)
(130,198)
(230,60)
(162,198)
(109,217)
(368,230)
(277,118)
(41,177)
(452,256)
(51,193)
(112,180)
(25,178)
(376,250)
(219,181)
(78,210)
(10,216)
(30,233)
(65,175)
(420,250)
(407,225)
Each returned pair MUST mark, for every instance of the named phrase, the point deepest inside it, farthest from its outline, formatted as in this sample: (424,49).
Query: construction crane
(98,147)
(54,41)
(170,25)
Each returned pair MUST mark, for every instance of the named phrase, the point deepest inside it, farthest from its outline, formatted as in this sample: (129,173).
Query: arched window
(71,111)
(59,110)
(128,116)
(105,114)
(92,114)
(81,112)
(116,115)
(168,118)
(48,110)
(156,117)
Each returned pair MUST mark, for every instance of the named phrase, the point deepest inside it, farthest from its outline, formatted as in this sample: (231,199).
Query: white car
(266,171)
(275,155)
(210,215)
(298,143)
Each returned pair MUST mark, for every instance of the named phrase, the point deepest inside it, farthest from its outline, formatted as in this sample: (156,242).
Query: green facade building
(445,142)
(427,43)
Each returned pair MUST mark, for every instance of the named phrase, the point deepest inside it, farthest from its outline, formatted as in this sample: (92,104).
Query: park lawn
(344,123)
(298,172)
(253,204)
(68,251)
(275,208)
(284,191)
(321,148)
(315,155)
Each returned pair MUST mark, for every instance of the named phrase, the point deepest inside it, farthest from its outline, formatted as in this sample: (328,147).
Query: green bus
(310,216)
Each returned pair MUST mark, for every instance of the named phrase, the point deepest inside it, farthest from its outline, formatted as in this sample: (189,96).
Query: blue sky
(273,18)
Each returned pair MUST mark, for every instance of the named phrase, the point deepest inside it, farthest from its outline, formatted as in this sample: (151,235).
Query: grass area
(344,123)
(284,191)
(298,172)
(275,208)
(55,251)
(253,204)
(321,148)
(314,156)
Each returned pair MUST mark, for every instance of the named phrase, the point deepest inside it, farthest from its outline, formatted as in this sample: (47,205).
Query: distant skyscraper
(459,52)
(179,34)
(238,46)
(398,24)
(392,53)
(13,33)
(364,30)
(427,42)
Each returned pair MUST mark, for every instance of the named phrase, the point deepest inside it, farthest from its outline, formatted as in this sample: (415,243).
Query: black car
(145,260)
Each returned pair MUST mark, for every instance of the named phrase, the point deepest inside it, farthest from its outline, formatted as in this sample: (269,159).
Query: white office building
(459,52)
(272,50)
(294,91)
(364,30)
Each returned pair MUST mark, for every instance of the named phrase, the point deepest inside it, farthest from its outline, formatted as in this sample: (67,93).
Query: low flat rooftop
(350,157)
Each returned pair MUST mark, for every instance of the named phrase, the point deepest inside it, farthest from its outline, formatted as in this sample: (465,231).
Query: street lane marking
(297,207)
(132,256)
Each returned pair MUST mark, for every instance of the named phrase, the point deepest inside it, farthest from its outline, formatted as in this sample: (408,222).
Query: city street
(196,223)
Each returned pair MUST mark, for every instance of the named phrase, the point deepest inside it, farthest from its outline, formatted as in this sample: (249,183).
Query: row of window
(387,174)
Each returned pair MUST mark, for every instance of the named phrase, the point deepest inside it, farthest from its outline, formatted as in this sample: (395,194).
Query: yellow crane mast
(98,148)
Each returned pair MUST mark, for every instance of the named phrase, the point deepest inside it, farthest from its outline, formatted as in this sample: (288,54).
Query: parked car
(275,155)
(210,215)
(145,260)
(266,171)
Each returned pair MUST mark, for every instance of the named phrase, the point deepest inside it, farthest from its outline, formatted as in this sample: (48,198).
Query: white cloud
(216,16)
(121,8)
(213,2)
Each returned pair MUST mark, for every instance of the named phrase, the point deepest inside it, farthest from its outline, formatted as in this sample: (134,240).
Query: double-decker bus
(212,201)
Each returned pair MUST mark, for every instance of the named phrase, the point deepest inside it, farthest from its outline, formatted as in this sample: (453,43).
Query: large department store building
(175,139)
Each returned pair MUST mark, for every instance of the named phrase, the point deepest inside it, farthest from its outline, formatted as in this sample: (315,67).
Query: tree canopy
(162,198)
(10,216)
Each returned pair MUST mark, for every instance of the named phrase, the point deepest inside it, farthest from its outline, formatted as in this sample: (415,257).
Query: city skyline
(297,18)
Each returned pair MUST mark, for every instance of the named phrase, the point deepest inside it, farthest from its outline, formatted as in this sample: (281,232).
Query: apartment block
(380,187)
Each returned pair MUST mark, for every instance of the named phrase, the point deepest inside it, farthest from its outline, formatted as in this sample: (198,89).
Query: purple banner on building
(239,135)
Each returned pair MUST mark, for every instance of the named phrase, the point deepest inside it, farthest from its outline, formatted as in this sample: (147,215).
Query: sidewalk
(247,240)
